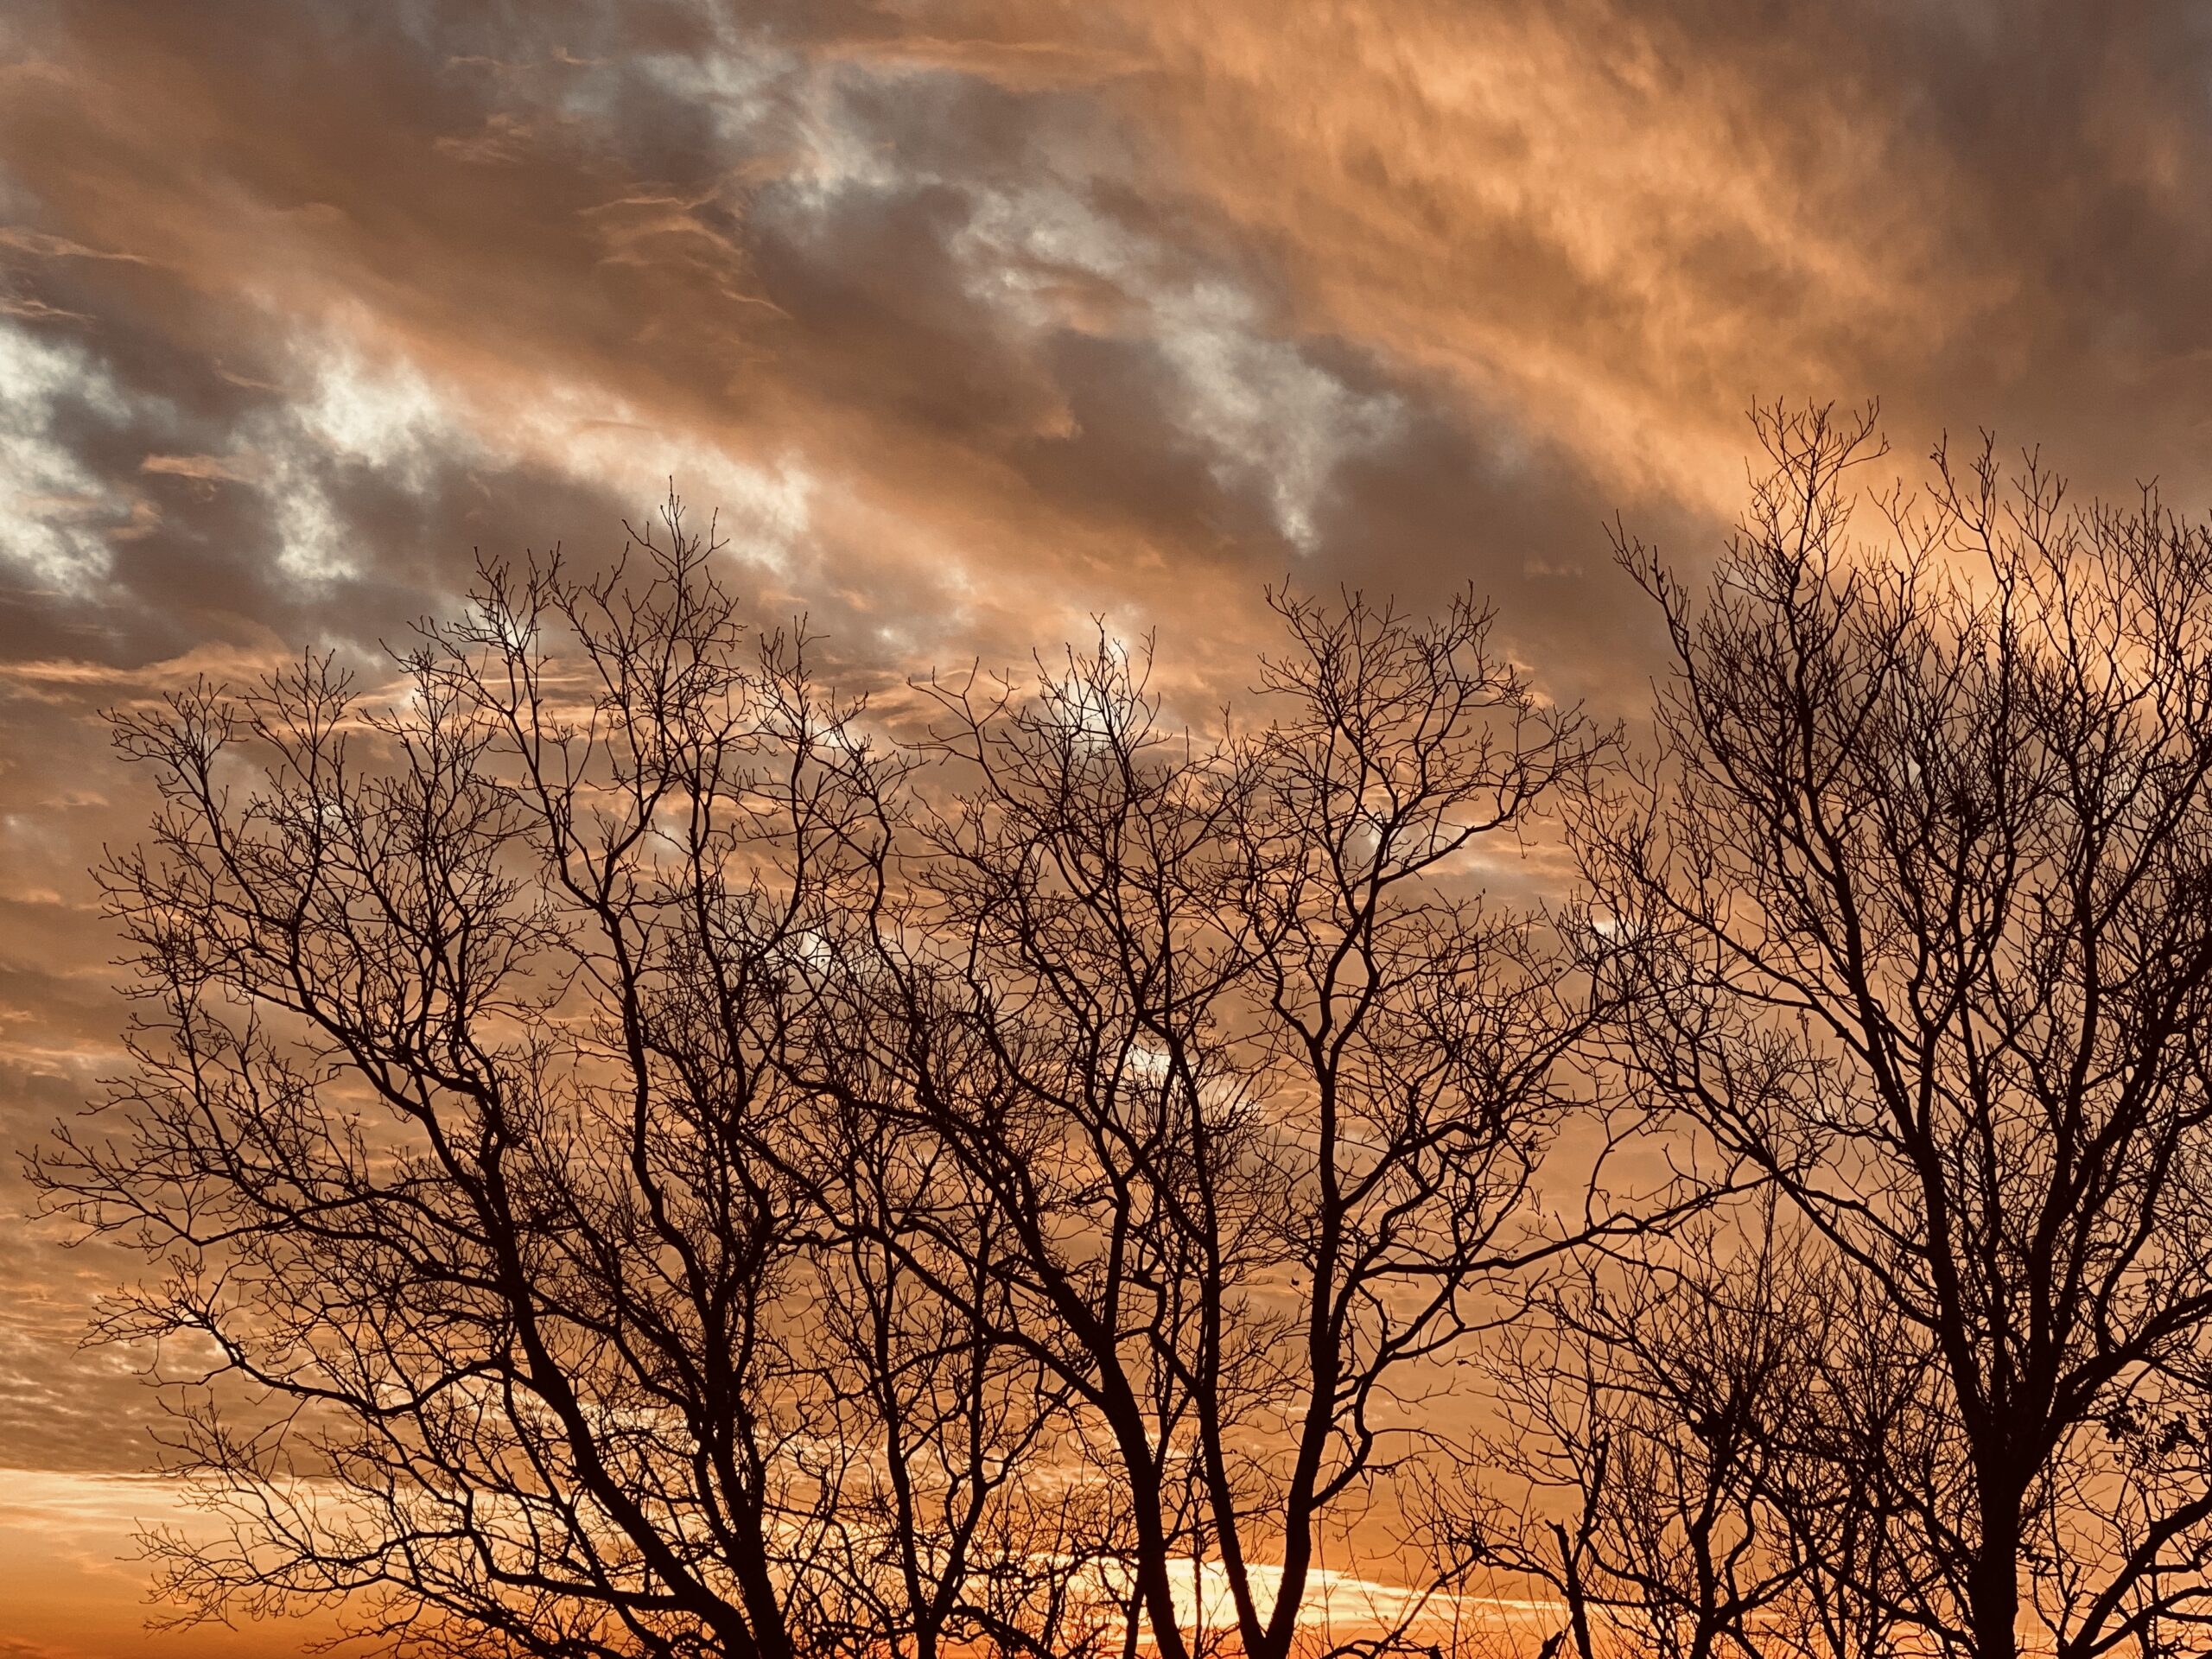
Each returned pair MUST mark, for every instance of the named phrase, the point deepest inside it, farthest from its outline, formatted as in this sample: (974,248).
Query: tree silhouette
(640,1164)
(641,1154)
(1686,1422)
(460,1130)
(1260,1082)
(1912,910)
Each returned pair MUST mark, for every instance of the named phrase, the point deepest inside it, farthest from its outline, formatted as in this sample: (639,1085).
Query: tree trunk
(1993,1588)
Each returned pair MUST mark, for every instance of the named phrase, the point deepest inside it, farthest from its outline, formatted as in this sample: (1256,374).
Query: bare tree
(1864,1425)
(1912,909)
(639,1166)
(1226,1032)
(1651,1400)
(1687,1421)
(460,1130)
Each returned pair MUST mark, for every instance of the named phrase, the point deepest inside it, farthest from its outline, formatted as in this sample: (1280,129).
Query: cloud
(1022,65)
(1270,417)
(47,245)
(208,469)
(55,514)
(978,325)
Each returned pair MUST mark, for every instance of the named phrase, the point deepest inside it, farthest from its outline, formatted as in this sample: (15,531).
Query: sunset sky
(971,322)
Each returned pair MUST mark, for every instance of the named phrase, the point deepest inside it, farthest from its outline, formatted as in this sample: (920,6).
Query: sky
(971,323)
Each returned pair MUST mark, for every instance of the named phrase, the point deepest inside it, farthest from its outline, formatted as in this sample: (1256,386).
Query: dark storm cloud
(974,320)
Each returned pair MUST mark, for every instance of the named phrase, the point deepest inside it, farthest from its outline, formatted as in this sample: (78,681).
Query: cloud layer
(973,322)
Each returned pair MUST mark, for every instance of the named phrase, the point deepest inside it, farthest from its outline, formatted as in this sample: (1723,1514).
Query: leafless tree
(1912,909)
(1226,1031)
(460,1130)
(640,1164)
(1688,1420)
(1651,1402)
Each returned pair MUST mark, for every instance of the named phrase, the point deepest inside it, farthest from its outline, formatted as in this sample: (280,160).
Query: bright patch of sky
(1270,419)
(386,415)
(55,514)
